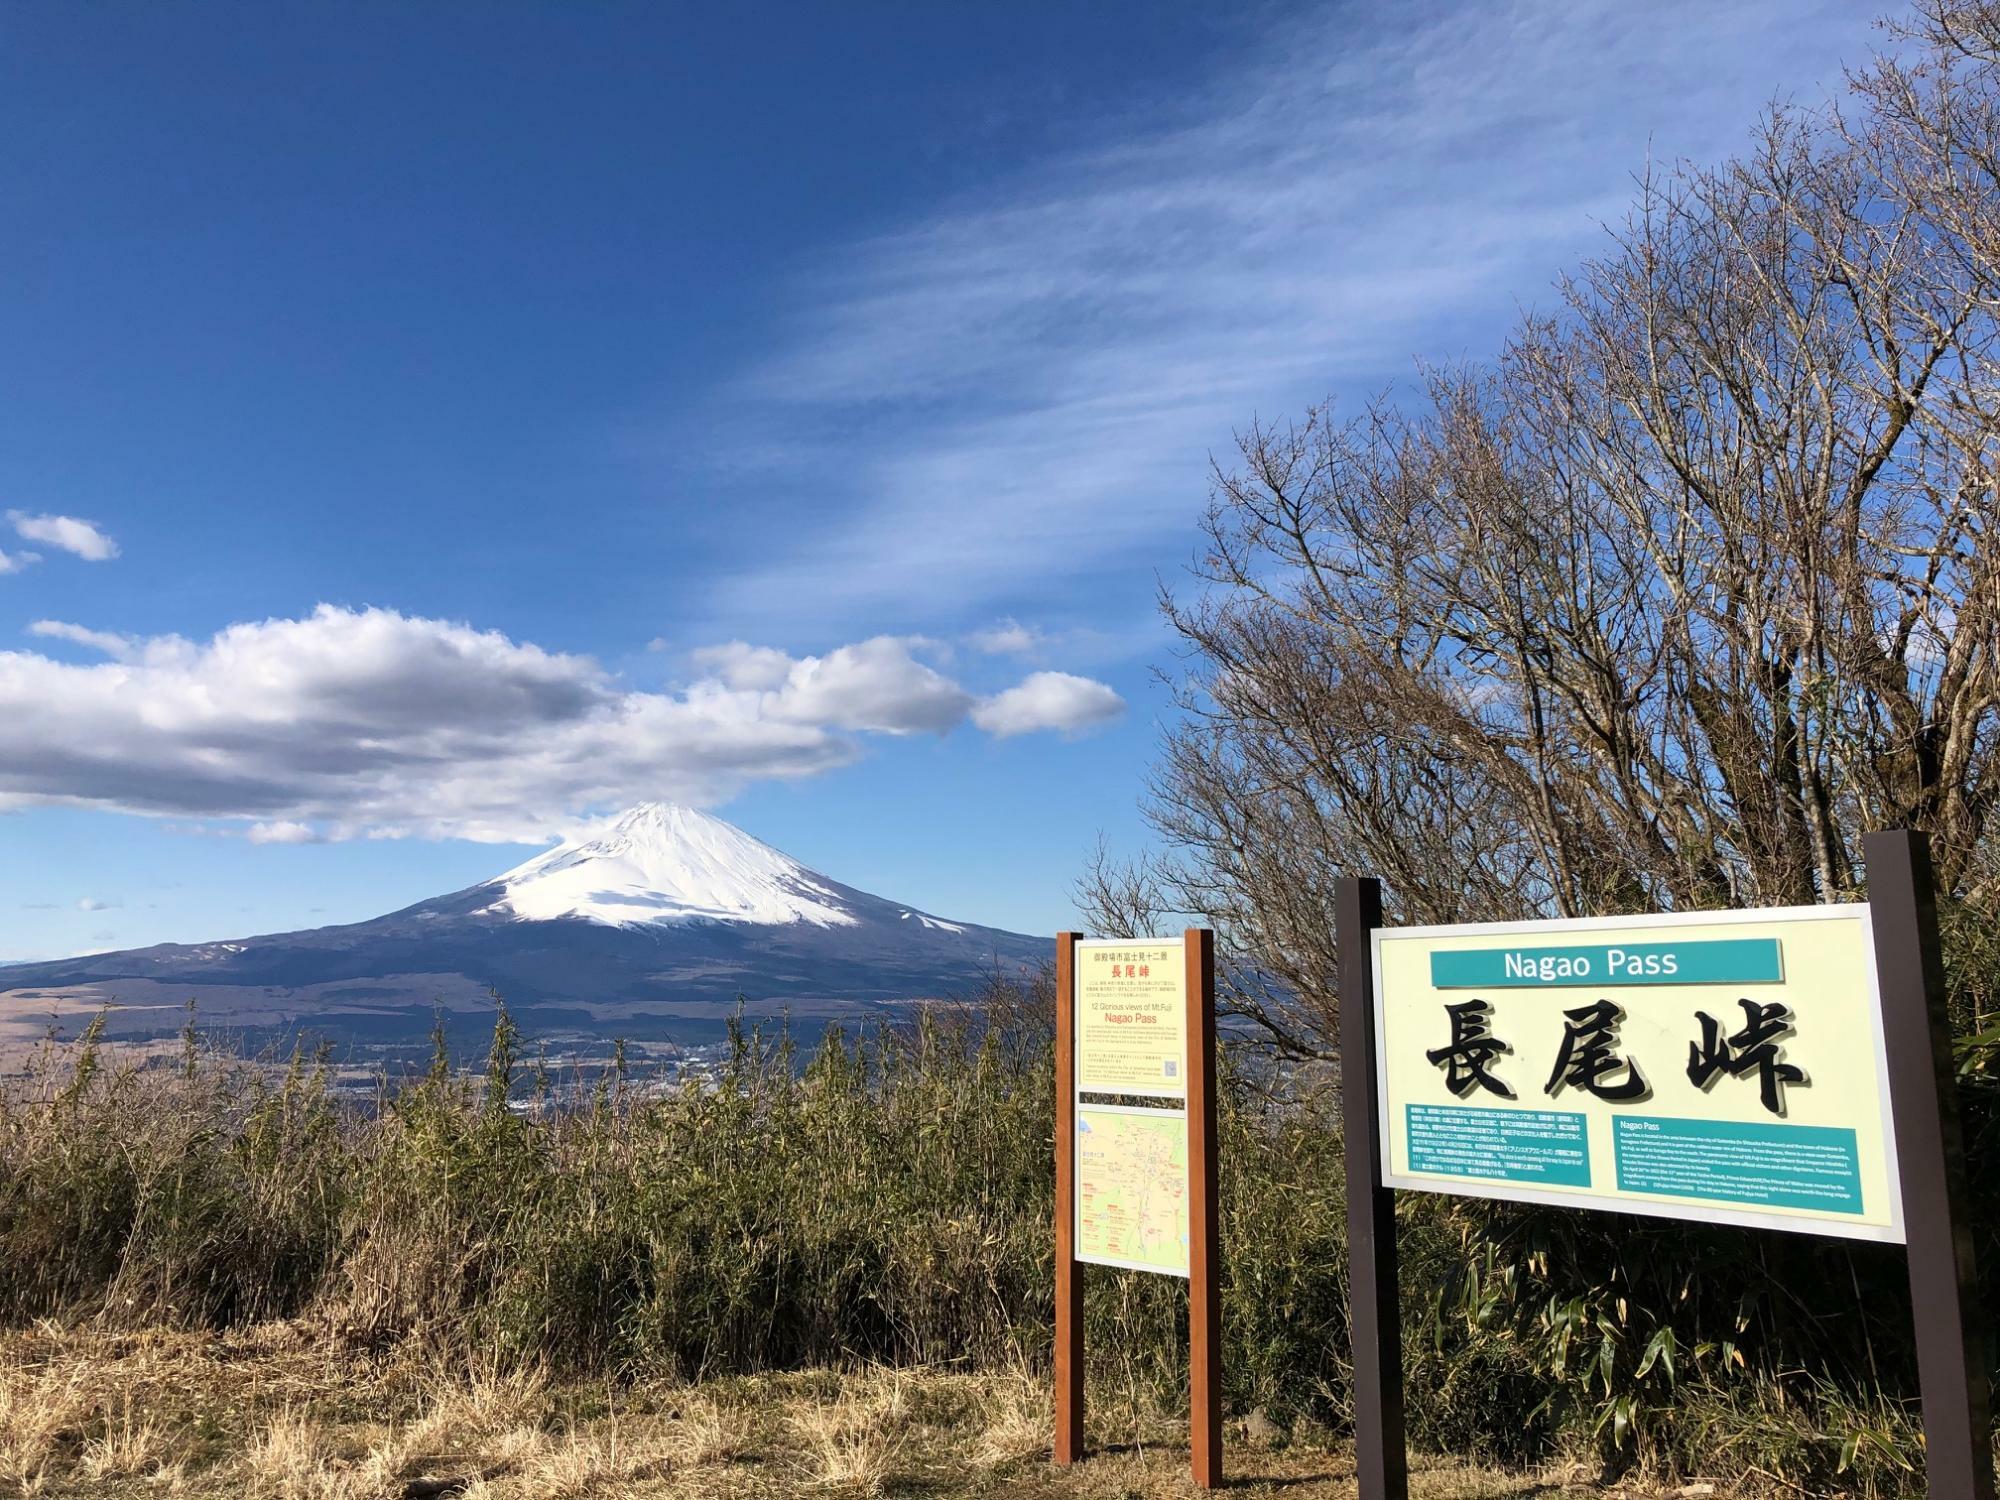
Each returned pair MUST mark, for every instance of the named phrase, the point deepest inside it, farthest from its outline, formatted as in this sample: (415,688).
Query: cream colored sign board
(1132,1185)
(1721,1066)
(1132,1188)
(1131,1017)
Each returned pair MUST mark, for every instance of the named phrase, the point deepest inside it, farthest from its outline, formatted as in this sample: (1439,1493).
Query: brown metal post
(1068,1446)
(1930,1158)
(1381,1463)
(1204,1232)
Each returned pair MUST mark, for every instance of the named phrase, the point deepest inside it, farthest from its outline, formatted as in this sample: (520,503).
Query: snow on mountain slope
(662,863)
(662,925)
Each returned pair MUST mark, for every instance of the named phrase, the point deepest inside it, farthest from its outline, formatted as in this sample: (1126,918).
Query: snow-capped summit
(661,862)
(662,924)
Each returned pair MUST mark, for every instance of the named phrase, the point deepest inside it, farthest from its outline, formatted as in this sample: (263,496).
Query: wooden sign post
(1784,1069)
(1136,1182)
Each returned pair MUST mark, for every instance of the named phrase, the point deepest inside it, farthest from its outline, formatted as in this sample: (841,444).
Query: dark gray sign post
(1380,1459)
(1929,1151)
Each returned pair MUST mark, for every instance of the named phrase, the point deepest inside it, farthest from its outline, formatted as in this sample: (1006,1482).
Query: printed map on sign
(1132,1188)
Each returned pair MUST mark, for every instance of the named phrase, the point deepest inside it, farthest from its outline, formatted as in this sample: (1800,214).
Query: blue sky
(422,427)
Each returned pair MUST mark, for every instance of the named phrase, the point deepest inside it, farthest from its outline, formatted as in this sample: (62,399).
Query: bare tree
(1696,584)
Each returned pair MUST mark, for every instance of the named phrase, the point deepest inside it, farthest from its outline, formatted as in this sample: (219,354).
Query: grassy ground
(278,1411)
(885,1205)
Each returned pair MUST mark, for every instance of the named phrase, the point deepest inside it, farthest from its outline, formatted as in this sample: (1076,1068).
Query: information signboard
(1131,1018)
(1132,1188)
(1787,1068)
(1132,1200)
(1135,1143)
(1724,1066)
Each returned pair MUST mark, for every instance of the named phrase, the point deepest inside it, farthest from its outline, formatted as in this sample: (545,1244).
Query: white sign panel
(1721,1066)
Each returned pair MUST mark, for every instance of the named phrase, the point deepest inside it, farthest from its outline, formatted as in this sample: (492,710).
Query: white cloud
(111,644)
(876,685)
(743,665)
(284,831)
(91,903)
(66,533)
(1026,383)
(369,723)
(1008,637)
(1048,700)
(15,562)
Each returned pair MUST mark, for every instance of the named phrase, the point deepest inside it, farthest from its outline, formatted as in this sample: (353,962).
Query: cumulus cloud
(370,723)
(875,685)
(91,903)
(1048,700)
(66,533)
(743,665)
(14,562)
(106,641)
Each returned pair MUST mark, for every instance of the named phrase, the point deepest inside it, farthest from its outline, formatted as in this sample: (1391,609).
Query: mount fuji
(654,928)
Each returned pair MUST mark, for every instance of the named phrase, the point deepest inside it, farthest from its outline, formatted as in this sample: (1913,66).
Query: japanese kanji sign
(1135,1138)
(1131,1018)
(1726,1066)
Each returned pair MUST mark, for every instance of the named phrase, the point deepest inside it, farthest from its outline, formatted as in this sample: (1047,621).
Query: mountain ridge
(659,924)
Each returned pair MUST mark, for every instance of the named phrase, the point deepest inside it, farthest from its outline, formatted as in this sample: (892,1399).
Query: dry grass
(131,1446)
(886,1204)
(1016,1423)
(711,1433)
(853,1443)
(285,1412)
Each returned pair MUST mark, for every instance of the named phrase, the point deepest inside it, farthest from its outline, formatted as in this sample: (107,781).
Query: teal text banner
(1548,1147)
(1709,961)
(1766,1166)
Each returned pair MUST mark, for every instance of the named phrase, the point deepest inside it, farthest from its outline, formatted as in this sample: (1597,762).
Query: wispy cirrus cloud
(1023,387)
(80,538)
(109,643)
(370,723)
(1006,637)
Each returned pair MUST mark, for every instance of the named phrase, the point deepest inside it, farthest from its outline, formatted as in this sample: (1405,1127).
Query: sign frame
(1915,1042)
(1542,932)
(1204,1217)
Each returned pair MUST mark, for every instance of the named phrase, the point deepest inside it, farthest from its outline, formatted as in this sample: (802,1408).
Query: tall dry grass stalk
(884,1203)
(852,1443)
